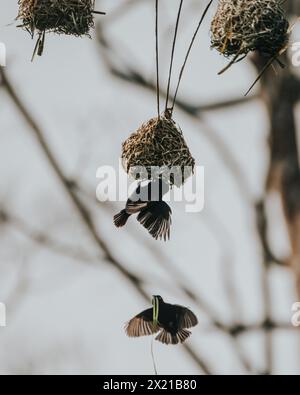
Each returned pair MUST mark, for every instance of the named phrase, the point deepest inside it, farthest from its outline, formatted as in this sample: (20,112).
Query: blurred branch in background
(43,239)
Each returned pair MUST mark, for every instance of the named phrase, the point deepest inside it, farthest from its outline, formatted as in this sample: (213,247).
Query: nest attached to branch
(158,149)
(241,26)
(70,17)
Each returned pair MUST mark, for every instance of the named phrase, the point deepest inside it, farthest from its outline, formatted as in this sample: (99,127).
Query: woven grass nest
(158,143)
(241,26)
(71,17)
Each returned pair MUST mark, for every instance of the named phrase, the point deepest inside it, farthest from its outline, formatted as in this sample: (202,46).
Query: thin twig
(173,53)
(157,58)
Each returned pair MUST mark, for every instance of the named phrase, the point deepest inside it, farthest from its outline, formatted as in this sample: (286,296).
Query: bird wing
(187,318)
(156,218)
(142,325)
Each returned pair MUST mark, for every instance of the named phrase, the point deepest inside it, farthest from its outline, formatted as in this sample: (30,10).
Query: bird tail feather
(167,338)
(121,218)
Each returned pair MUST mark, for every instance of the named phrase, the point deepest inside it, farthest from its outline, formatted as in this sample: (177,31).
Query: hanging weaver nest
(158,149)
(241,26)
(70,17)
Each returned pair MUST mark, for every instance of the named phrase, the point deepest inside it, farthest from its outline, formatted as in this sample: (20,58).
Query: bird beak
(155,303)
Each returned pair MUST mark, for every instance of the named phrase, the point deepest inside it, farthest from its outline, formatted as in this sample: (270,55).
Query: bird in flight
(153,213)
(170,321)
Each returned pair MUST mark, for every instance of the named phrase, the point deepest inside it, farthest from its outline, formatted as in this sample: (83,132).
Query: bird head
(156,299)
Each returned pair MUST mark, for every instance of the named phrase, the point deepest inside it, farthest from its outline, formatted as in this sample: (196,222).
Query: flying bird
(153,213)
(170,321)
